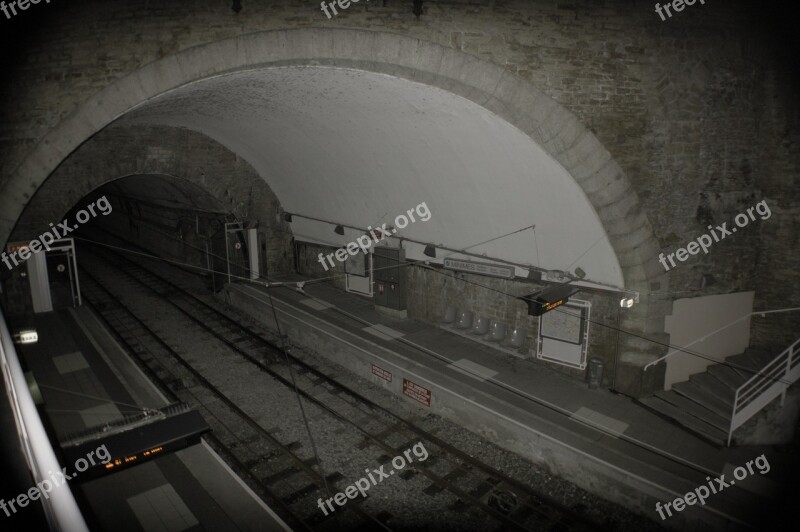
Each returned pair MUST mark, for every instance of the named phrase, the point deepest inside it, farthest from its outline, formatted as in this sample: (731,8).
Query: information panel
(356,265)
(565,325)
(564,334)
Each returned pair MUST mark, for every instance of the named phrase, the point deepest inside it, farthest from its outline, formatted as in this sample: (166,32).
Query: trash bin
(595,376)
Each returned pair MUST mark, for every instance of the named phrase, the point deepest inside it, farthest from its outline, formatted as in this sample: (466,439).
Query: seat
(481,326)
(517,339)
(465,320)
(497,331)
(450,314)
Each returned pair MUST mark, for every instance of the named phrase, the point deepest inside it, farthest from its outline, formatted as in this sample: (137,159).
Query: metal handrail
(767,376)
(761,312)
(760,383)
(60,508)
(763,376)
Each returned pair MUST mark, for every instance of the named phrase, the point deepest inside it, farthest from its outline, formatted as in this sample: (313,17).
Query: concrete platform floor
(86,378)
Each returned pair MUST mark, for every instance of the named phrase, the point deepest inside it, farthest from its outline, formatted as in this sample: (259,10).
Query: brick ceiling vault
(563,143)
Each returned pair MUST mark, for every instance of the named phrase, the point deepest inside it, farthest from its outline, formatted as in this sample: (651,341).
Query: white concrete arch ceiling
(357,147)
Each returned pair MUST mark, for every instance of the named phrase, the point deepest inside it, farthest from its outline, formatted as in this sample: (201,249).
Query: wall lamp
(430,251)
(339,229)
(627,302)
(287,217)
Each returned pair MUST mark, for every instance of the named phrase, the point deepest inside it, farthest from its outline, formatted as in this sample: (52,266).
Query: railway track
(239,439)
(473,484)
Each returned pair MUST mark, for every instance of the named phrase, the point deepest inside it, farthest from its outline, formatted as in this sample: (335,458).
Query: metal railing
(60,508)
(768,383)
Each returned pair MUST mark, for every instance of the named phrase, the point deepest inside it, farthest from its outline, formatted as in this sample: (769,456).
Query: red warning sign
(417,392)
(382,373)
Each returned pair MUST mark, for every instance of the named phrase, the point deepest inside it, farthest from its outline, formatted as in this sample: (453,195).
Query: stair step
(713,385)
(727,376)
(703,397)
(687,421)
(745,362)
(690,407)
(760,355)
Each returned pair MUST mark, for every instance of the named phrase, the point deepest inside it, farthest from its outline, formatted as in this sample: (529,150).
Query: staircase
(715,403)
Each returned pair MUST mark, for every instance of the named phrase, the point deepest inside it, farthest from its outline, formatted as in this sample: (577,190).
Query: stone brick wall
(430,291)
(700,111)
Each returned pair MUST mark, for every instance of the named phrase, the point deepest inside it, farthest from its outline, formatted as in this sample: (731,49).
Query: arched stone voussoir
(585,154)
(609,190)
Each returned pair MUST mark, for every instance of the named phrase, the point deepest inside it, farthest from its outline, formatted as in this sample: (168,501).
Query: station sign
(540,305)
(481,268)
(549,299)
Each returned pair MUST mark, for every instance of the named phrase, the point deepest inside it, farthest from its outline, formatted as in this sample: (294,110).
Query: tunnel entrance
(176,220)
(144,215)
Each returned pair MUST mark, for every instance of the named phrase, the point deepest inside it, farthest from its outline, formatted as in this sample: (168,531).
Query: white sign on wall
(481,268)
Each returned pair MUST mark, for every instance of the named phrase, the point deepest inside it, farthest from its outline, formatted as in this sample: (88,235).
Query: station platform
(601,441)
(86,378)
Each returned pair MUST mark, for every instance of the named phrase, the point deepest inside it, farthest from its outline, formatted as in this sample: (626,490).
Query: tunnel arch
(192,162)
(517,101)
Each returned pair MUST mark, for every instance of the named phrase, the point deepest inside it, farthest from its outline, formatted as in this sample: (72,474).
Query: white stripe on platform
(100,415)
(601,420)
(316,305)
(69,363)
(384,332)
(472,369)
